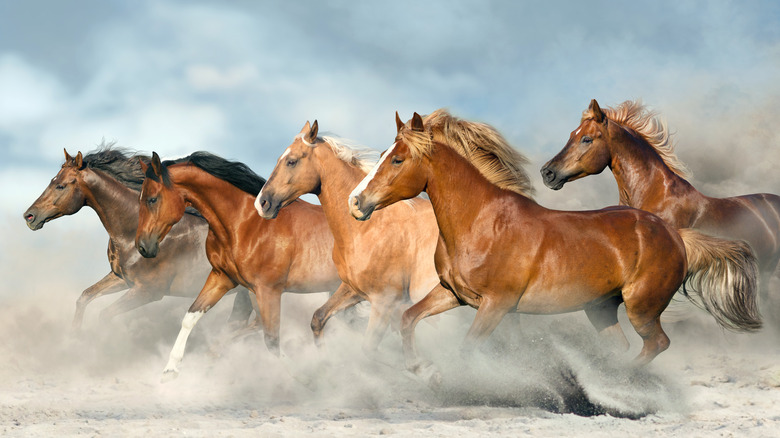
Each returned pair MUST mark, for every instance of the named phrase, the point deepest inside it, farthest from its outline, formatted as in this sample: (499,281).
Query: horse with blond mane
(636,145)
(502,252)
(387,262)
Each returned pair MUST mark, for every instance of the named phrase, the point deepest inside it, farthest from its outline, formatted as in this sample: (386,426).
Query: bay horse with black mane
(637,147)
(290,254)
(502,252)
(387,262)
(108,180)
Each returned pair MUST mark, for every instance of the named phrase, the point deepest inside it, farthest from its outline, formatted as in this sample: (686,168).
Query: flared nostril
(29,217)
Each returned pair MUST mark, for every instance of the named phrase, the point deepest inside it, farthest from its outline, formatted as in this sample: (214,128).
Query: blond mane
(635,116)
(481,144)
(359,156)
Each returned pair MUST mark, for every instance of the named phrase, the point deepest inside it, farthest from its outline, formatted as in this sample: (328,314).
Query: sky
(240,78)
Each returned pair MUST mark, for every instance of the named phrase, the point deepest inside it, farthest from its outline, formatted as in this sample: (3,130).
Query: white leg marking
(177,352)
(363,184)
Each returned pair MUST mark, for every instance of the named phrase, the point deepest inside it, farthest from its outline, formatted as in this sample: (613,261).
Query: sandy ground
(537,376)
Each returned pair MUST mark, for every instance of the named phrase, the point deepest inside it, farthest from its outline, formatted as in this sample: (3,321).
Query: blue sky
(239,78)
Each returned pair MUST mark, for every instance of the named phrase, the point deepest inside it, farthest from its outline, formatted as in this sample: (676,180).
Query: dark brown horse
(636,146)
(501,252)
(387,261)
(290,254)
(108,181)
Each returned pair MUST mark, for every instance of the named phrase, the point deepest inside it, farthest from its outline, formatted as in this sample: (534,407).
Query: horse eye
(397,161)
(151,201)
(587,139)
(291,163)
(60,187)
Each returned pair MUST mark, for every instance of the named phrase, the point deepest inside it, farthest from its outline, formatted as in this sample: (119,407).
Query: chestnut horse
(636,146)
(291,254)
(386,262)
(501,252)
(108,181)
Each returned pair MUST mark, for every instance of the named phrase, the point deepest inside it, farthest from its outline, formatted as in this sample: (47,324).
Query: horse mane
(358,156)
(479,143)
(120,163)
(234,172)
(636,116)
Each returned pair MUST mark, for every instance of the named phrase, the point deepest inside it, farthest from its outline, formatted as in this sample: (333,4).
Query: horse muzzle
(266,207)
(360,209)
(551,178)
(34,219)
(148,247)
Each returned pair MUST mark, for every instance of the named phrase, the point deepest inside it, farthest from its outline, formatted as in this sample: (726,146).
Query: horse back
(753,218)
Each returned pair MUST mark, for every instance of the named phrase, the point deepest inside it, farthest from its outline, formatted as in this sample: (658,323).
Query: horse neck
(115,204)
(459,192)
(337,179)
(644,180)
(222,205)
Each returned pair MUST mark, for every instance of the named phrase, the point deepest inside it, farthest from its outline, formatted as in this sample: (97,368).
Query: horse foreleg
(489,315)
(133,298)
(269,302)
(343,298)
(217,285)
(109,284)
(438,300)
(378,321)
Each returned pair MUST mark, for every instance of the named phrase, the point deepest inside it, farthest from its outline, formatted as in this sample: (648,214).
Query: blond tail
(724,275)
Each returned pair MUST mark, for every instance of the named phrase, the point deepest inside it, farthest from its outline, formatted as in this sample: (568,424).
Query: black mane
(234,172)
(119,163)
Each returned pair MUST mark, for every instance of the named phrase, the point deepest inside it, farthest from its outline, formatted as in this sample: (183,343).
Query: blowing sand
(537,375)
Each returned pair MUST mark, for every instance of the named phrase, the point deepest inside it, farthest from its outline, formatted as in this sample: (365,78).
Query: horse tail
(723,274)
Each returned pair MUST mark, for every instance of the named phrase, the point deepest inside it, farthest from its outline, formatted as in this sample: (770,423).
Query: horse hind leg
(644,310)
(344,297)
(604,318)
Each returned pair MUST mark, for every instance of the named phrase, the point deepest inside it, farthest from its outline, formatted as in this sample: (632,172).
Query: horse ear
(144,166)
(68,158)
(596,112)
(311,136)
(417,123)
(398,123)
(79,161)
(156,164)
(306,128)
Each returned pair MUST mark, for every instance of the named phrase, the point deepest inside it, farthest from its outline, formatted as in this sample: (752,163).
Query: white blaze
(257,199)
(363,184)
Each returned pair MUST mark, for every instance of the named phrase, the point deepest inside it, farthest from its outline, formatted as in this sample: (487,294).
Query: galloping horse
(108,180)
(386,262)
(501,252)
(291,254)
(636,146)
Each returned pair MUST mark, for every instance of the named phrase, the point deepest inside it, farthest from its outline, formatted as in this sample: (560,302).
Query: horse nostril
(29,217)
(548,175)
(264,203)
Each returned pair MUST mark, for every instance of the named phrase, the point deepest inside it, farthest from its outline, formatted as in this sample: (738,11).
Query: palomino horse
(108,180)
(386,262)
(637,148)
(501,252)
(291,254)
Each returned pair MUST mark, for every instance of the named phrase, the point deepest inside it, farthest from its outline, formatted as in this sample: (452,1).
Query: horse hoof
(169,375)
